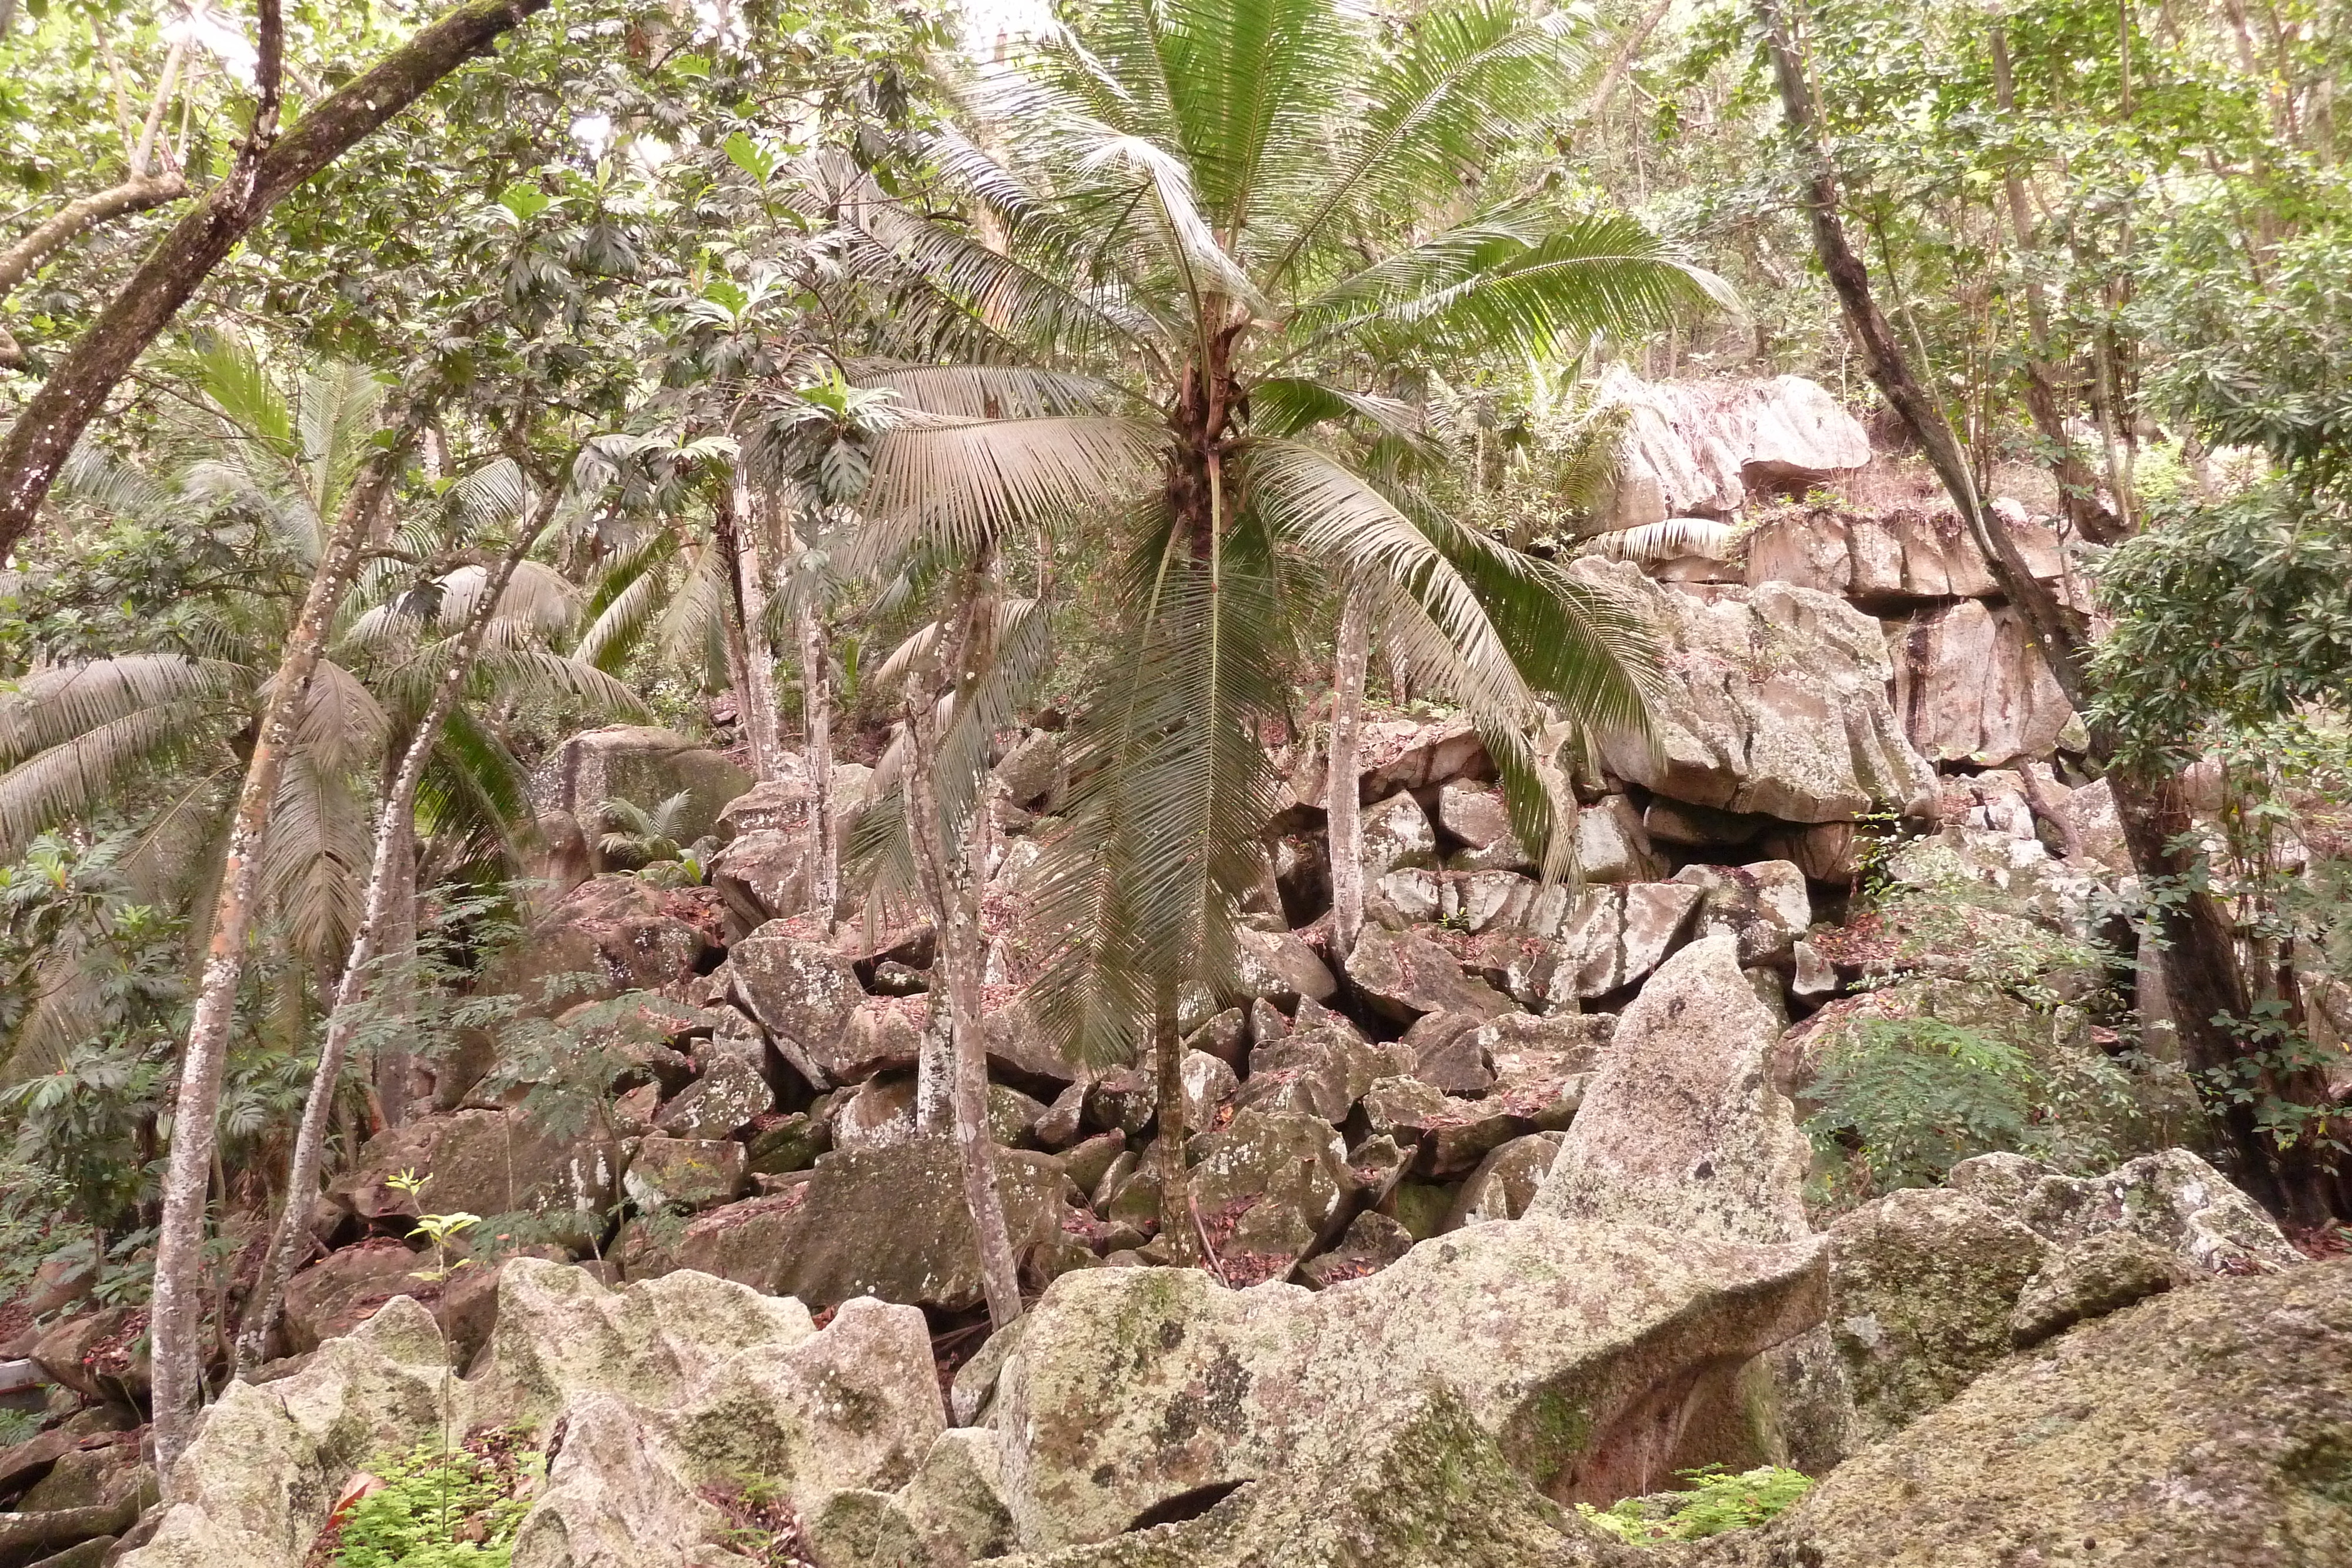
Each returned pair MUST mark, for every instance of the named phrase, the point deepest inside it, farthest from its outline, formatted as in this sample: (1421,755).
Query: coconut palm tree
(1245,219)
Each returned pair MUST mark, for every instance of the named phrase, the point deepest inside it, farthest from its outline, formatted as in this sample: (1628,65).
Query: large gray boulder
(612,934)
(2172,1198)
(2205,1429)
(1680,1127)
(268,1462)
(485,1163)
(1780,705)
(1702,447)
(1574,1347)
(1615,936)
(803,993)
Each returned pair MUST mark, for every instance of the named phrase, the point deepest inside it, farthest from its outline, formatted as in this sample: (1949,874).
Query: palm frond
(526,669)
(959,483)
(335,406)
(989,392)
(52,706)
(315,862)
(1662,540)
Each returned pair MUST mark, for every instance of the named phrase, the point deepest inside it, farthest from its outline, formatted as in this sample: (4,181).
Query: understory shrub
(442,1507)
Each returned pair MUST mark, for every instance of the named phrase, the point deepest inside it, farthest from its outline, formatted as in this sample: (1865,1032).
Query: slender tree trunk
(393,830)
(816,718)
(82,214)
(1345,812)
(944,871)
(271,166)
(2201,963)
(738,659)
(1168,1098)
(395,945)
(178,1308)
(754,552)
(935,1066)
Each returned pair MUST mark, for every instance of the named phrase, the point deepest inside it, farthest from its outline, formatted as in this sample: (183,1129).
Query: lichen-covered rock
(1680,1127)
(1397,834)
(1404,975)
(1269,1188)
(678,1175)
(765,875)
(1922,1285)
(1780,705)
(1505,1182)
(343,1290)
(644,765)
(2204,1428)
(1209,1085)
(1615,936)
(481,1162)
(1568,1344)
(1319,1071)
(2095,1276)
(1613,845)
(801,993)
(1971,685)
(1431,1491)
(891,1222)
(2172,1198)
(270,1459)
(609,1503)
(1372,1242)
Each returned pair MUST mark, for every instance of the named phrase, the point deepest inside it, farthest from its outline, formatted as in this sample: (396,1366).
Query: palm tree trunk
(395,946)
(1345,812)
(765,723)
(176,1321)
(944,871)
(395,827)
(2200,961)
(1167,1102)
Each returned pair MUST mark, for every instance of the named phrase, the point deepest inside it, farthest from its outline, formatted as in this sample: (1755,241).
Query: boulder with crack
(1680,1125)
(1578,1349)
(1780,705)
(2205,1429)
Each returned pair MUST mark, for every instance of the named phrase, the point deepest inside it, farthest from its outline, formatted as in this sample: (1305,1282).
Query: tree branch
(53,421)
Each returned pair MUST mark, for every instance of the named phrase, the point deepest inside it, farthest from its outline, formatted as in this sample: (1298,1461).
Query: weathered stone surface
(1881,561)
(1404,974)
(1922,1284)
(1397,833)
(1542,1063)
(891,1222)
(1279,966)
(679,1173)
(791,1145)
(343,1290)
(1032,771)
(1561,1341)
(1971,685)
(610,934)
(1017,1045)
(1700,448)
(877,1112)
(806,997)
(2202,1429)
(1316,1070)
(2090,811)
(1780,704)
(2095,1276)
(1505,1182)
(480,1162)
(270,1459)
(720,1103)
(1270,1187)
(609,1502)
(1474,813)
(1680,1125)
(1763,906)
(96,1354)
(2172,1198)
(1616,936)
(764,875)
(1612,844)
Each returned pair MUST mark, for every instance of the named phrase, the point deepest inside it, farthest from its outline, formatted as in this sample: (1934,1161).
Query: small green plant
(440,1509)
(1915,1097)
(1716,1502)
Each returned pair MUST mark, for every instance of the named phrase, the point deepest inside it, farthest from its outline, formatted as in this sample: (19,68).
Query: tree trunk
(816,702)
(386,885)
(944,871)
(178,1307)
(46,432)
(394,946)
(1168,1101)
(754,552)
(1345,812)
(136,194)
(935,1066)
(2201,963)
(738,660)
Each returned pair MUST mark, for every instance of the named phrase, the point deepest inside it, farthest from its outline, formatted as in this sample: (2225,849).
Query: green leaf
(525,200)
(747,155)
